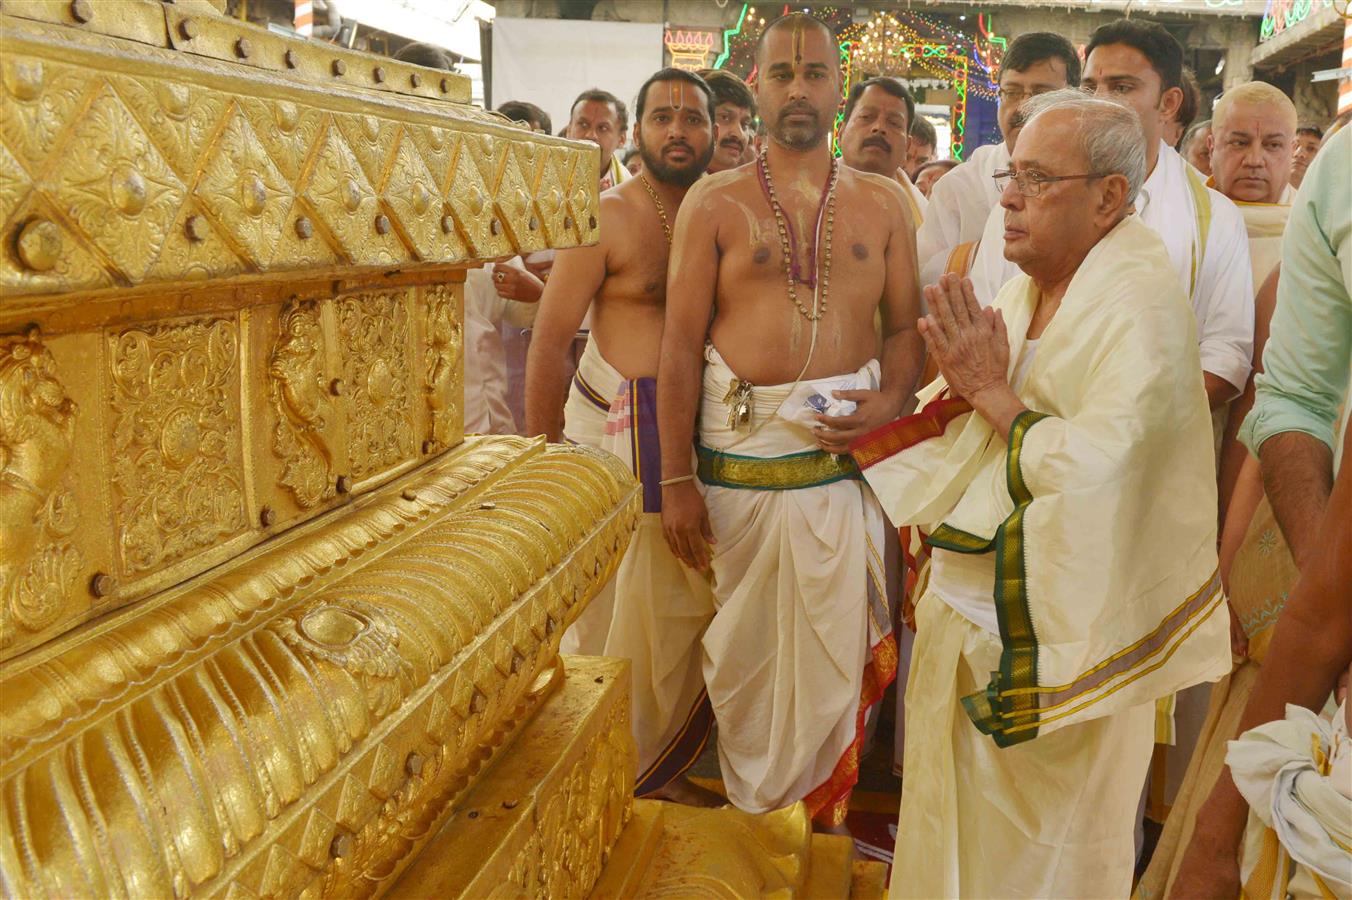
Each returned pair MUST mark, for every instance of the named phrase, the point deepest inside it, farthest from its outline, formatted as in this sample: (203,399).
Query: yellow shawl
(1101,509)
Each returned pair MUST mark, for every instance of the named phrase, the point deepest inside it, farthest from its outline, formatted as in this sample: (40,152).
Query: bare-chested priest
(777,271)
(655,610)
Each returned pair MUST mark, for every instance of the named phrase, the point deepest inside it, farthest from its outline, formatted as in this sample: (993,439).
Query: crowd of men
(1049,436)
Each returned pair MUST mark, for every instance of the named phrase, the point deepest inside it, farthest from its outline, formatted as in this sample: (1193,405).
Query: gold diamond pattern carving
(244,190)
(174,446)
(371,140)
(194,252)
(411,193)
(472,206)
(338,189)
(14,184)
(516,209)
(555,215)
(288,131)
(438,149)
(179,117)
(581,189)
(52,258)
(124,196)
(40,99)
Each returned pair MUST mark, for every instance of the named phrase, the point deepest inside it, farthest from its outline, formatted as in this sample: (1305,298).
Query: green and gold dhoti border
(795,471)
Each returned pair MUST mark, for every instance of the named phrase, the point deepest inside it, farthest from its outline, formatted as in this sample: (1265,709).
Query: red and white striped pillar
(1345,83)
(304,20)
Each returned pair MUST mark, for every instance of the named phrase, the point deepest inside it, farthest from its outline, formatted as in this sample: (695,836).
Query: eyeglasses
(1030,184)
(1018,95)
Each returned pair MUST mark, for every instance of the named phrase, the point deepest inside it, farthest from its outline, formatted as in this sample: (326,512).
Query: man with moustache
(1139,64)
(601,117)
(875,137)
(777,273)
(735,116)
(1035,63)
(655,610)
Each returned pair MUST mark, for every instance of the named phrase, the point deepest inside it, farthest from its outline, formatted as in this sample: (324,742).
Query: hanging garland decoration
(902,45)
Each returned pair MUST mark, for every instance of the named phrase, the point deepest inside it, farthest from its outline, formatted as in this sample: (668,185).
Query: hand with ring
(515,283)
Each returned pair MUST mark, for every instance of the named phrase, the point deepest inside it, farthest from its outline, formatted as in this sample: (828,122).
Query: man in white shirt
(1139,64)
(1035,63)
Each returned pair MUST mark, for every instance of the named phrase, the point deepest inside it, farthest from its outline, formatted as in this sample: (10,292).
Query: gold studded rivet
(495,226)
(102,584)
(196,227)
(533,224)
(339,67)
(304,228)
(341,846)
(344,484)
(415,79)
(40,245)
(378,73)
(382,224)
(81,11)
(409,494)
(291,59)
(336,387)
(445,85)
(447,224)
(413,764)
(188,29)
(243,48)
(567,221)
(267,516)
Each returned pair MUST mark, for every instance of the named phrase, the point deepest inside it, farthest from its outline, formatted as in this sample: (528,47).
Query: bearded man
(655,610)
(777,274)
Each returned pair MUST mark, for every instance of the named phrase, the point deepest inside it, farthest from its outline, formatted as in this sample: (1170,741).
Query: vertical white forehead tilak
(798,32)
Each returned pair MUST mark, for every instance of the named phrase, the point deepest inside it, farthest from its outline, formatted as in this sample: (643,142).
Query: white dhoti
(655,610)
(1051,817)
(801,643)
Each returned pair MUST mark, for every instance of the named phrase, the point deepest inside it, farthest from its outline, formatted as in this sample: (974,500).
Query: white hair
(1110,134)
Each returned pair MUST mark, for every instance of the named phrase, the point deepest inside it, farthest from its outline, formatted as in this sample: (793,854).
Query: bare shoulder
(877,194)
(713,193)
(616,210)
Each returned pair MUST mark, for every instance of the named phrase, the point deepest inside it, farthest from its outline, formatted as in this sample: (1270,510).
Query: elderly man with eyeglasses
(1062,467)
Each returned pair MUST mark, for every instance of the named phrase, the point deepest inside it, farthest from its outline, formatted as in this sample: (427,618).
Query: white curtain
(549,62)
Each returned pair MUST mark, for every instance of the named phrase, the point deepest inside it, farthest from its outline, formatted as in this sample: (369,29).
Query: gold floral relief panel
(443,354)
(375,340)
(41,568)
(175,440)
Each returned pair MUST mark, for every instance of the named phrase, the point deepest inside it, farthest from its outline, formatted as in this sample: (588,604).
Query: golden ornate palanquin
(270,624)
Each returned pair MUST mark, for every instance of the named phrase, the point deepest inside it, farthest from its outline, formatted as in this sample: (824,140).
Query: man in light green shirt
(1307,362)
(1308,357)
